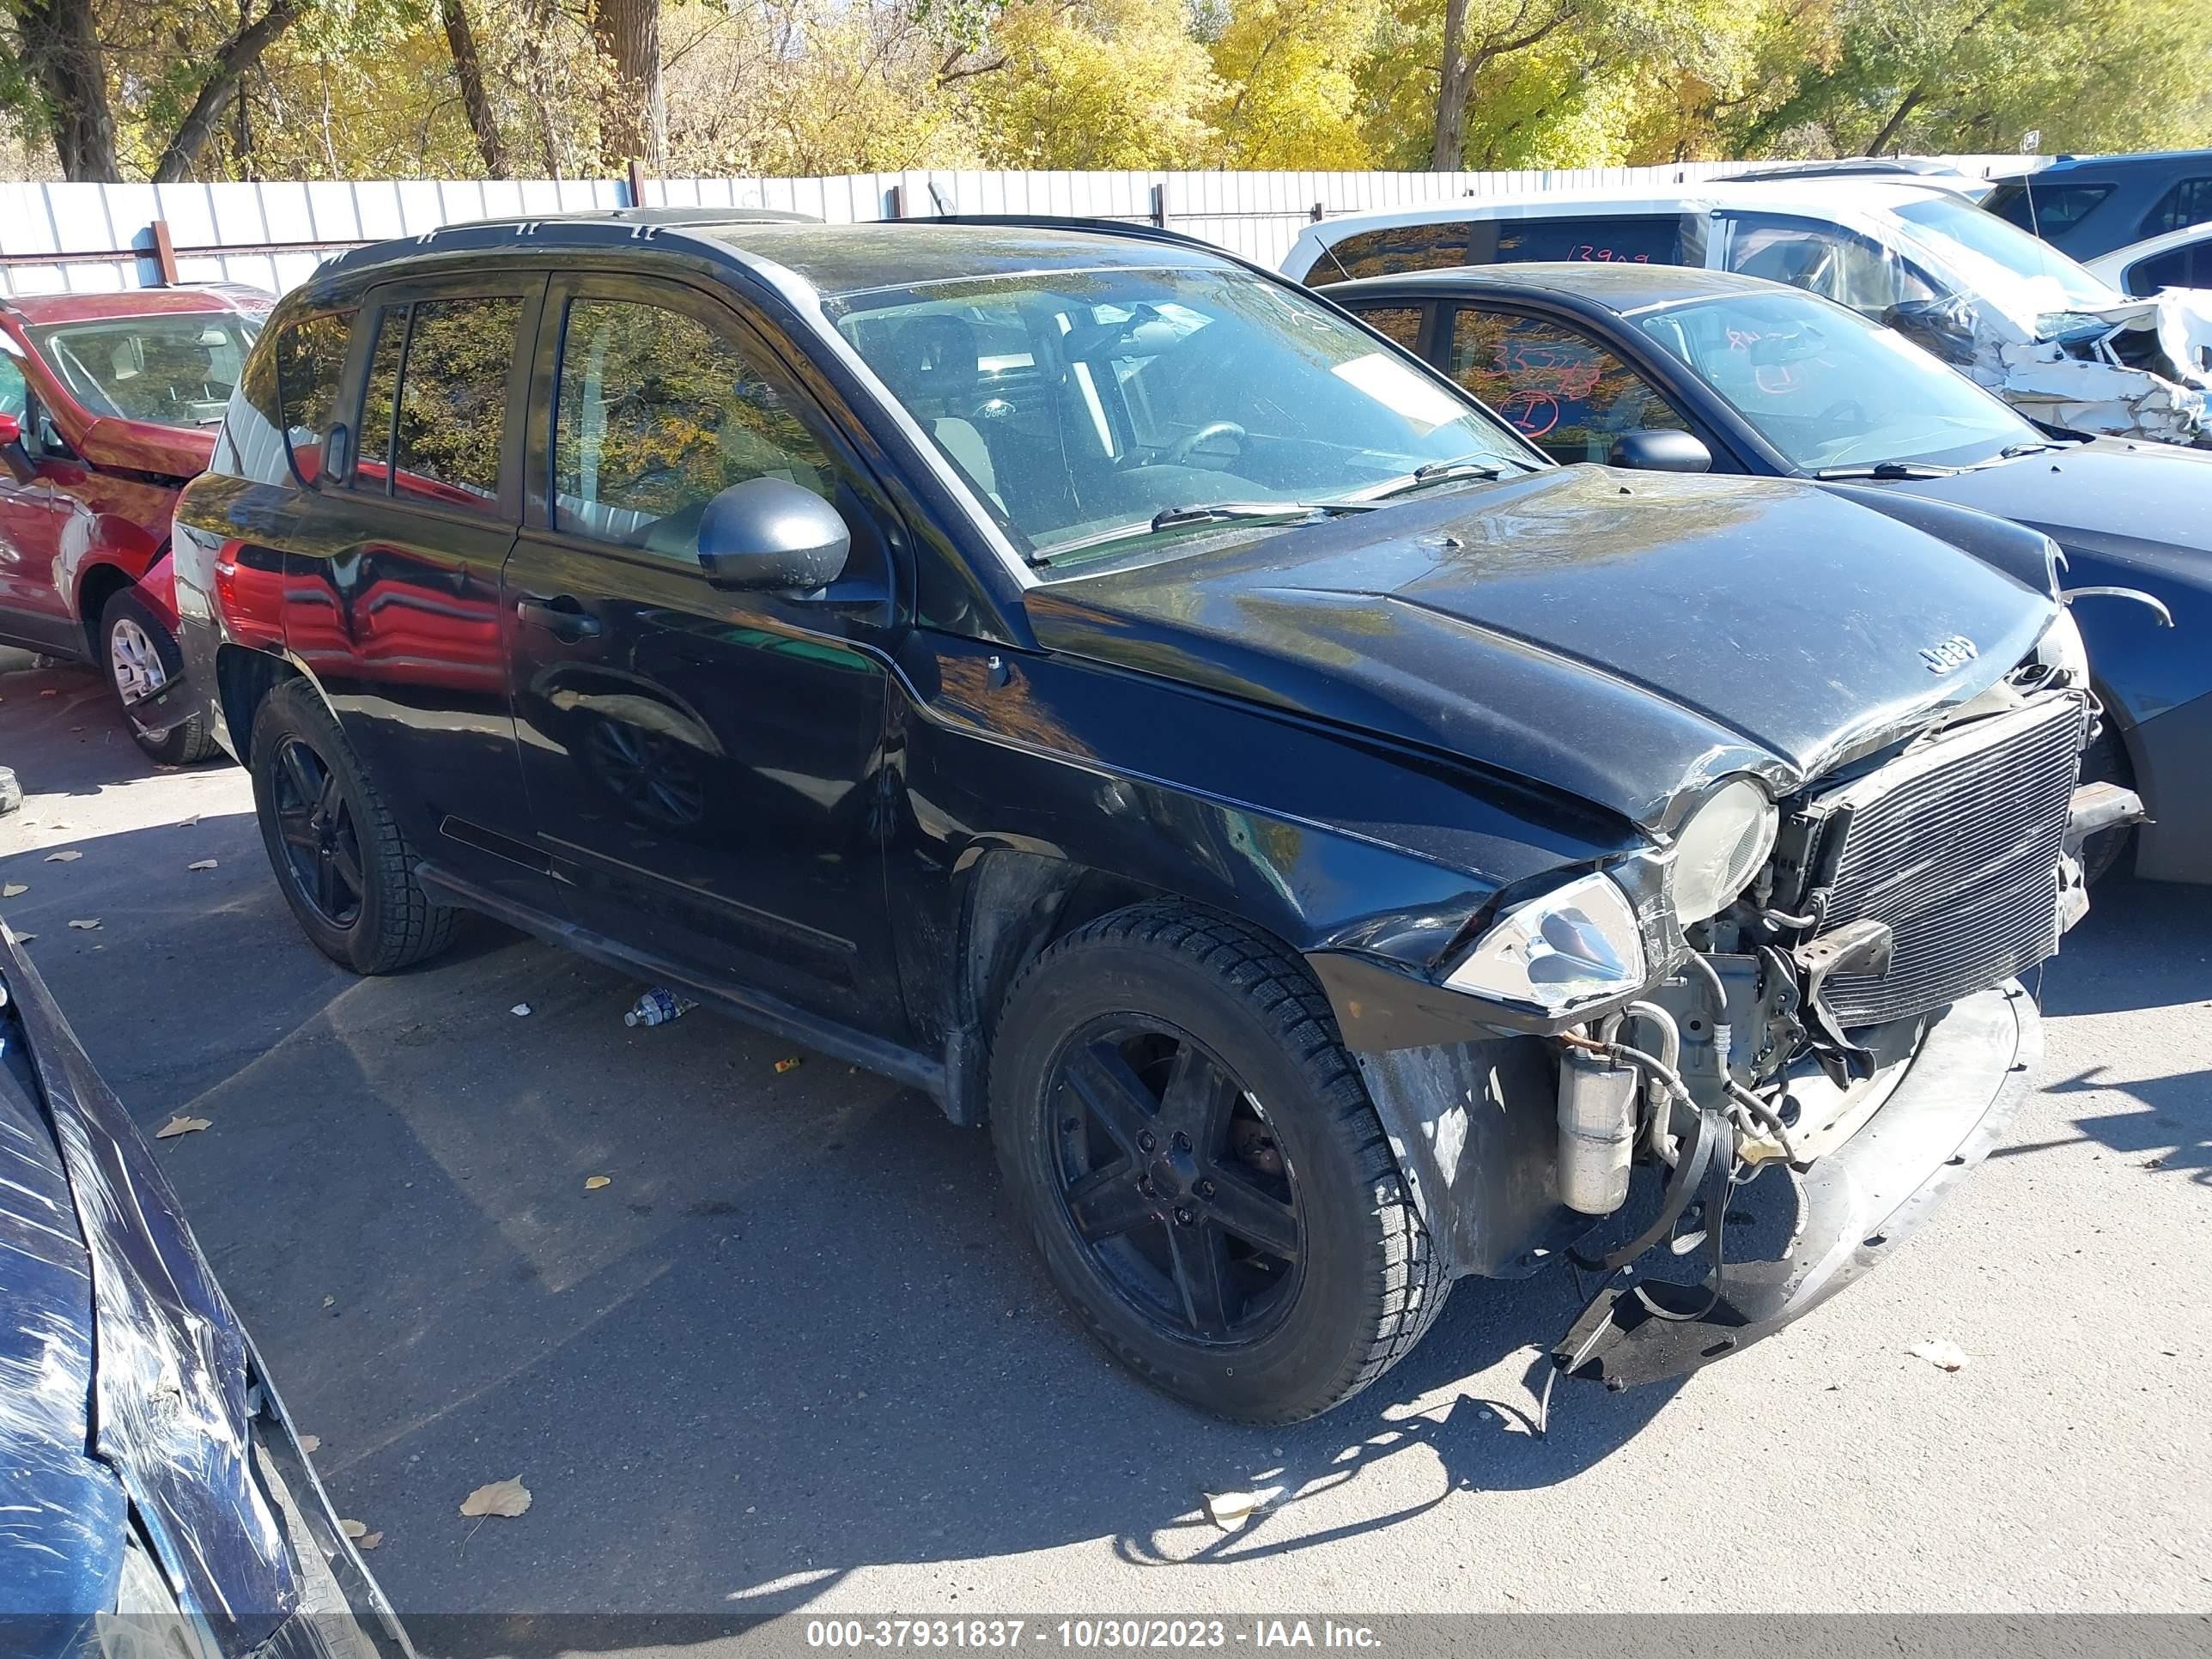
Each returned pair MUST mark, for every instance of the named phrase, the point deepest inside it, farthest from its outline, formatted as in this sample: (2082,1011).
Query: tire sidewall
(293,710)
(1298,1366)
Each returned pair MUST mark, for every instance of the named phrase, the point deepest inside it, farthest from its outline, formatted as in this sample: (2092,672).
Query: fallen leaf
(85,924)
(354,1529)
(520,1011)
(592,1183)
(67,855)
(788,1063)
(178,1124)
(1231,1509)
(14,888)
(369,1541)
(311,1442)
(507,1497)
(1944,1356)
(49,692)
(201,864)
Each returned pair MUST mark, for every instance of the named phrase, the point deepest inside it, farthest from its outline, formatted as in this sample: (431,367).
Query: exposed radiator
(1956,846)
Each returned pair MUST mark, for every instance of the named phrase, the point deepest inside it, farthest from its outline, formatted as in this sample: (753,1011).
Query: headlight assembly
(1721,847)
(2061,650)
(1574,944)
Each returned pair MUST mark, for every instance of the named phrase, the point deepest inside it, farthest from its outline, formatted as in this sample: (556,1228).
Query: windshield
(1828,388)
(2032,276)
(1082,405)
(172,370)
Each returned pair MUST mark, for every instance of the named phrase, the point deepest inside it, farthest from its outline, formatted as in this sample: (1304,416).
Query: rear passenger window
(656,413)
(1642,239)
(434,408)
(1562,390)
(1399,247)
(2189,203)
(310,360)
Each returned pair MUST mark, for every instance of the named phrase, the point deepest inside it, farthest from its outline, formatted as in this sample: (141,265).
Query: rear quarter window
(1398,247)
(2188,203)
(2046,210)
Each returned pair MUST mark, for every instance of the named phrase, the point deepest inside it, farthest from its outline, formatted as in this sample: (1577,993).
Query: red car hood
(176,451)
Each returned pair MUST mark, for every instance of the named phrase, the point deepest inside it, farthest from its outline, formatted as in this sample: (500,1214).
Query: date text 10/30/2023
(1088,1635)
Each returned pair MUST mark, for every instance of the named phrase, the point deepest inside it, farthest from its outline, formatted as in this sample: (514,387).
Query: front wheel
(143,658)
(345,869)
(1199,1163)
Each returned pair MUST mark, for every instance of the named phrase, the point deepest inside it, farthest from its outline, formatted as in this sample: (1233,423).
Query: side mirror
(1944,328)
(12,452)
(1649,449)
(771,534)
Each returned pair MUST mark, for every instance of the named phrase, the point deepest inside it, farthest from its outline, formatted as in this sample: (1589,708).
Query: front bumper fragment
(1853,1206)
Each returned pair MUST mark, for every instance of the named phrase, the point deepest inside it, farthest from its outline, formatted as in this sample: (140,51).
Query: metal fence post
(1160,206)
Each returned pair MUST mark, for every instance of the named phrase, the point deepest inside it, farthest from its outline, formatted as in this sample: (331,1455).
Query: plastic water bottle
(658,1006)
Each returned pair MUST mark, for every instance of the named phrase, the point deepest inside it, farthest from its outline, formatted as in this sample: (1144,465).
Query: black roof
(2145,159)
(1619,286)
(837,259)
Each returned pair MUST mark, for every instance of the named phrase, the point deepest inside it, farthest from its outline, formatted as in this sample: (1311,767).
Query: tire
(135,644)
(1230,1019)
(322,822)
(2106,760)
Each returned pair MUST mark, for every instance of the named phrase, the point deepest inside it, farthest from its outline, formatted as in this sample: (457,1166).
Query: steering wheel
(1846,409)
(1181,450)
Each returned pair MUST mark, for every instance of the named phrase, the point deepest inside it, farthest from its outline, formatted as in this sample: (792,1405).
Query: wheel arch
(244,678)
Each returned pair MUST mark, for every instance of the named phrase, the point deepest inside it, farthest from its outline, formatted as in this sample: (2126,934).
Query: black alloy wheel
(1170,1174)
(322,849)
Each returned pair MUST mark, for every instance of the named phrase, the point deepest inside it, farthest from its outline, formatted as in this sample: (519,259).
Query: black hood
(1618,635)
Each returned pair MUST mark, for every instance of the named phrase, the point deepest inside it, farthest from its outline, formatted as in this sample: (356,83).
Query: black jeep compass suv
(1112,690)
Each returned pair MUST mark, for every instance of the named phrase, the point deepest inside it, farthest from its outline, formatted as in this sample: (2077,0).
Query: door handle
(562,616)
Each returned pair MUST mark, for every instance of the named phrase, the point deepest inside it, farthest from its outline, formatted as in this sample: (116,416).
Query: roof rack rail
(1139,230)
(668,214)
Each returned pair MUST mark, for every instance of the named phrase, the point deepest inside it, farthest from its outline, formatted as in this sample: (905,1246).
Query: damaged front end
(1834,1033)
(2137,368)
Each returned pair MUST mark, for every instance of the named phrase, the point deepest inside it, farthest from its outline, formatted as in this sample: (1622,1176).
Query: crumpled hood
(2140,367)
(165,1420)
(1618,635)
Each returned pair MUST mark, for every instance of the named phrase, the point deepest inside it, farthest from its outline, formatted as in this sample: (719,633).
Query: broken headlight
(2060,652)
(1574,944)
(1720,847)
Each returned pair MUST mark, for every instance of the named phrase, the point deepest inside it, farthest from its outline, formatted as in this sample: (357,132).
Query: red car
(109,404)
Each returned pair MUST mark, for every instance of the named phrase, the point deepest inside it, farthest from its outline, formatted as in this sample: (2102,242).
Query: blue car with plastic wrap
(154,1496)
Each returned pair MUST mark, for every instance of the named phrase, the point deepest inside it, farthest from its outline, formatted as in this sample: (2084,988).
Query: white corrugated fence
(61,238)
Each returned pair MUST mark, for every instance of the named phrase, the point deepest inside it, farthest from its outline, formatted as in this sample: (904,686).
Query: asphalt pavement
(792,1354)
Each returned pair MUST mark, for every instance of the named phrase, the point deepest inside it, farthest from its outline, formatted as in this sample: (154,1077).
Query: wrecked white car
(2014,312)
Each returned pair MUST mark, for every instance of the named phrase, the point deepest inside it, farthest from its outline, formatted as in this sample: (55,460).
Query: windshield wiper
(1484,468)
(1169,517)
(1884,470)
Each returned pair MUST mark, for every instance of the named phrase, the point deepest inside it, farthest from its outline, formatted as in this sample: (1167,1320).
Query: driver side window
(1823,259)
(656,413)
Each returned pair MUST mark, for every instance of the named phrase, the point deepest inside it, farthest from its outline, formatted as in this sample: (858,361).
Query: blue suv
(2088,205)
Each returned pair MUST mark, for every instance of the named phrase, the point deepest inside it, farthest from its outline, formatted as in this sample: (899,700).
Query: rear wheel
(1199,1163)
(345,869)
(143,658)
